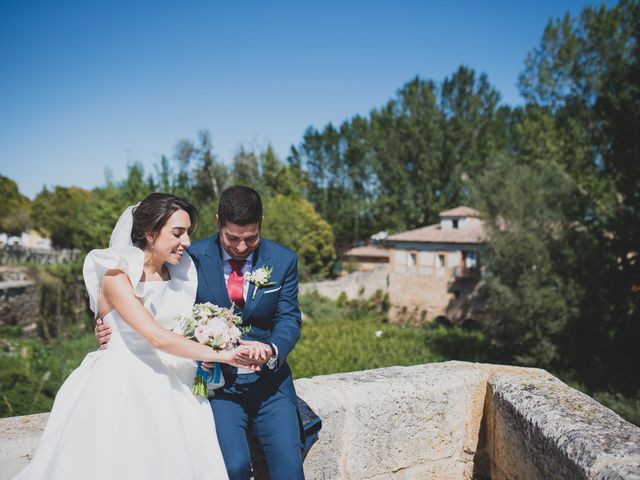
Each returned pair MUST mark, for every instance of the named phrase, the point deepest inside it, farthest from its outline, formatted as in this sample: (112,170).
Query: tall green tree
(474,131)
(209,178)
(582,87)
(97,217)
(293,222)
(245,169)
(14,209)
(54,213)
(278,177)
(406,138)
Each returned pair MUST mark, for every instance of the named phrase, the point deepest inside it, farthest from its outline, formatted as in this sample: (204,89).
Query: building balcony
(464,272)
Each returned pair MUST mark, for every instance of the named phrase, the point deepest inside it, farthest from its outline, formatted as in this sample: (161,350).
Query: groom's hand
(258,352)
(103,333)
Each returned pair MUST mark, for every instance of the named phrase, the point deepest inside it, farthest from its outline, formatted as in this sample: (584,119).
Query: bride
(128,411)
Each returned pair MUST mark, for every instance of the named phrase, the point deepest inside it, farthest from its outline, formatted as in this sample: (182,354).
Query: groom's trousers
(252,404)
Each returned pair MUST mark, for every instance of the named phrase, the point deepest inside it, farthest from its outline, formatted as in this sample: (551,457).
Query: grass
(31,371)
(350,336)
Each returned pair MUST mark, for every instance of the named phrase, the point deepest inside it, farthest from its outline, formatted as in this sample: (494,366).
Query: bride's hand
(240,357)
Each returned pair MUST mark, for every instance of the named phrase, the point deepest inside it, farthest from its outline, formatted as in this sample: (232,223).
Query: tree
(278,177)
(97,217)
(134,187)
(54,213)
(14,209)
(209,178)
(293,222)
(408,160)
(245,169)
(587,72)
(474,131)
(529,261)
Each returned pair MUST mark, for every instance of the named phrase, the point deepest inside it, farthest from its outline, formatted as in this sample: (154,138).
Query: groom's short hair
(239,205)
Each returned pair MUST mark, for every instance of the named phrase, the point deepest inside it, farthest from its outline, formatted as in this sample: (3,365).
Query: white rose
(260,276)
(234,332)
(218,326)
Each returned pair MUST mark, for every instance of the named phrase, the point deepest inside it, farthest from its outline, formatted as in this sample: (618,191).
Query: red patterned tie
(235,284)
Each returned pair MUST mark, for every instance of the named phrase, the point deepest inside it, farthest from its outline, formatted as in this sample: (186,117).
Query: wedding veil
(121,234)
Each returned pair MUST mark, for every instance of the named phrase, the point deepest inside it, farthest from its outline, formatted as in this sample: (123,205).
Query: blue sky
(90,85)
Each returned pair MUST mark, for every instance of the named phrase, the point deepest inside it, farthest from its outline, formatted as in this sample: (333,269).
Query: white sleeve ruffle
(128,259)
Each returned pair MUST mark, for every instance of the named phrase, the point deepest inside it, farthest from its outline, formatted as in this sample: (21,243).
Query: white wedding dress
(127,412)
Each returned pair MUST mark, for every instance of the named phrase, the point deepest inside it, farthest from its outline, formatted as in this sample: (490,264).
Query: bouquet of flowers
(215,326)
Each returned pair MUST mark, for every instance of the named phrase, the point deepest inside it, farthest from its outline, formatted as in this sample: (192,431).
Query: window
(455,223)
(470,260)
(440,261)
(412,260)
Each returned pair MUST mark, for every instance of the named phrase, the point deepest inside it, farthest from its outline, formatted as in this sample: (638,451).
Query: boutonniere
(260,278)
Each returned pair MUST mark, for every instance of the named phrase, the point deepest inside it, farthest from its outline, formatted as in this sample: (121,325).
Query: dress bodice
(165,301)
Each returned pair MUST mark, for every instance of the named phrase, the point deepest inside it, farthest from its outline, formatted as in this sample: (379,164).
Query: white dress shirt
(246,268)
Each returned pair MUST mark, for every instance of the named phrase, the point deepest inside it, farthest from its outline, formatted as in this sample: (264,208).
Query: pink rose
(201,333)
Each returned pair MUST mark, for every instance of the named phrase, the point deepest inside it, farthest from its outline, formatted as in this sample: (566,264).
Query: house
(435,270)
(367,257)
(30,239)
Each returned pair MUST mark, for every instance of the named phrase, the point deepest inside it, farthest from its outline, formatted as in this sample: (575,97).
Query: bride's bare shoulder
(116,281)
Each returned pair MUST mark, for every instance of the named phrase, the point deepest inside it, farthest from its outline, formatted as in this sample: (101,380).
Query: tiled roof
(461,211)
(435,234)
(368,251)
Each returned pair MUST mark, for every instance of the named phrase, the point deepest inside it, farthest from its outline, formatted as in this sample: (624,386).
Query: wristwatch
(273,361)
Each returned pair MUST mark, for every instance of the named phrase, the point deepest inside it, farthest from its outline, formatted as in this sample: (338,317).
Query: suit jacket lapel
(213,273)
(261,259)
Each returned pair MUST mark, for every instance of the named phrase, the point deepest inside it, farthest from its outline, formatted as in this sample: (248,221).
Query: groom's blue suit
(265,402)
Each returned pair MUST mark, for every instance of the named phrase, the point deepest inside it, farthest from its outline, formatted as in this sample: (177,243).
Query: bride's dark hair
(154,211)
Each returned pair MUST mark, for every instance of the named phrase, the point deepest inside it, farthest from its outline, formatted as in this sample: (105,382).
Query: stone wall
(452,420)
(413,298)
(356,285)
(18,298)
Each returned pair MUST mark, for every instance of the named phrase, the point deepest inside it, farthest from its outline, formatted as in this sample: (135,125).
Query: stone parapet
(451,420)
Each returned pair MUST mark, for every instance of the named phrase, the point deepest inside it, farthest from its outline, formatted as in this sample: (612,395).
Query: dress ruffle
(130,260)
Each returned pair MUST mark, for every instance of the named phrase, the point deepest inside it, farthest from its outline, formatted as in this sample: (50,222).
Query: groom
(264,403)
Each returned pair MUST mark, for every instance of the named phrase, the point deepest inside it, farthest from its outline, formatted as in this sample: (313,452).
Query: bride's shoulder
(116,282)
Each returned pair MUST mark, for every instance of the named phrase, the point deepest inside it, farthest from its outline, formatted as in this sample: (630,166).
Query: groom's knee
(238,467)
(287,466)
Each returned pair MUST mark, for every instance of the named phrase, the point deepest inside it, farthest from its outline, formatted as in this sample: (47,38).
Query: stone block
(408,422)
(18,439)
(537,427)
